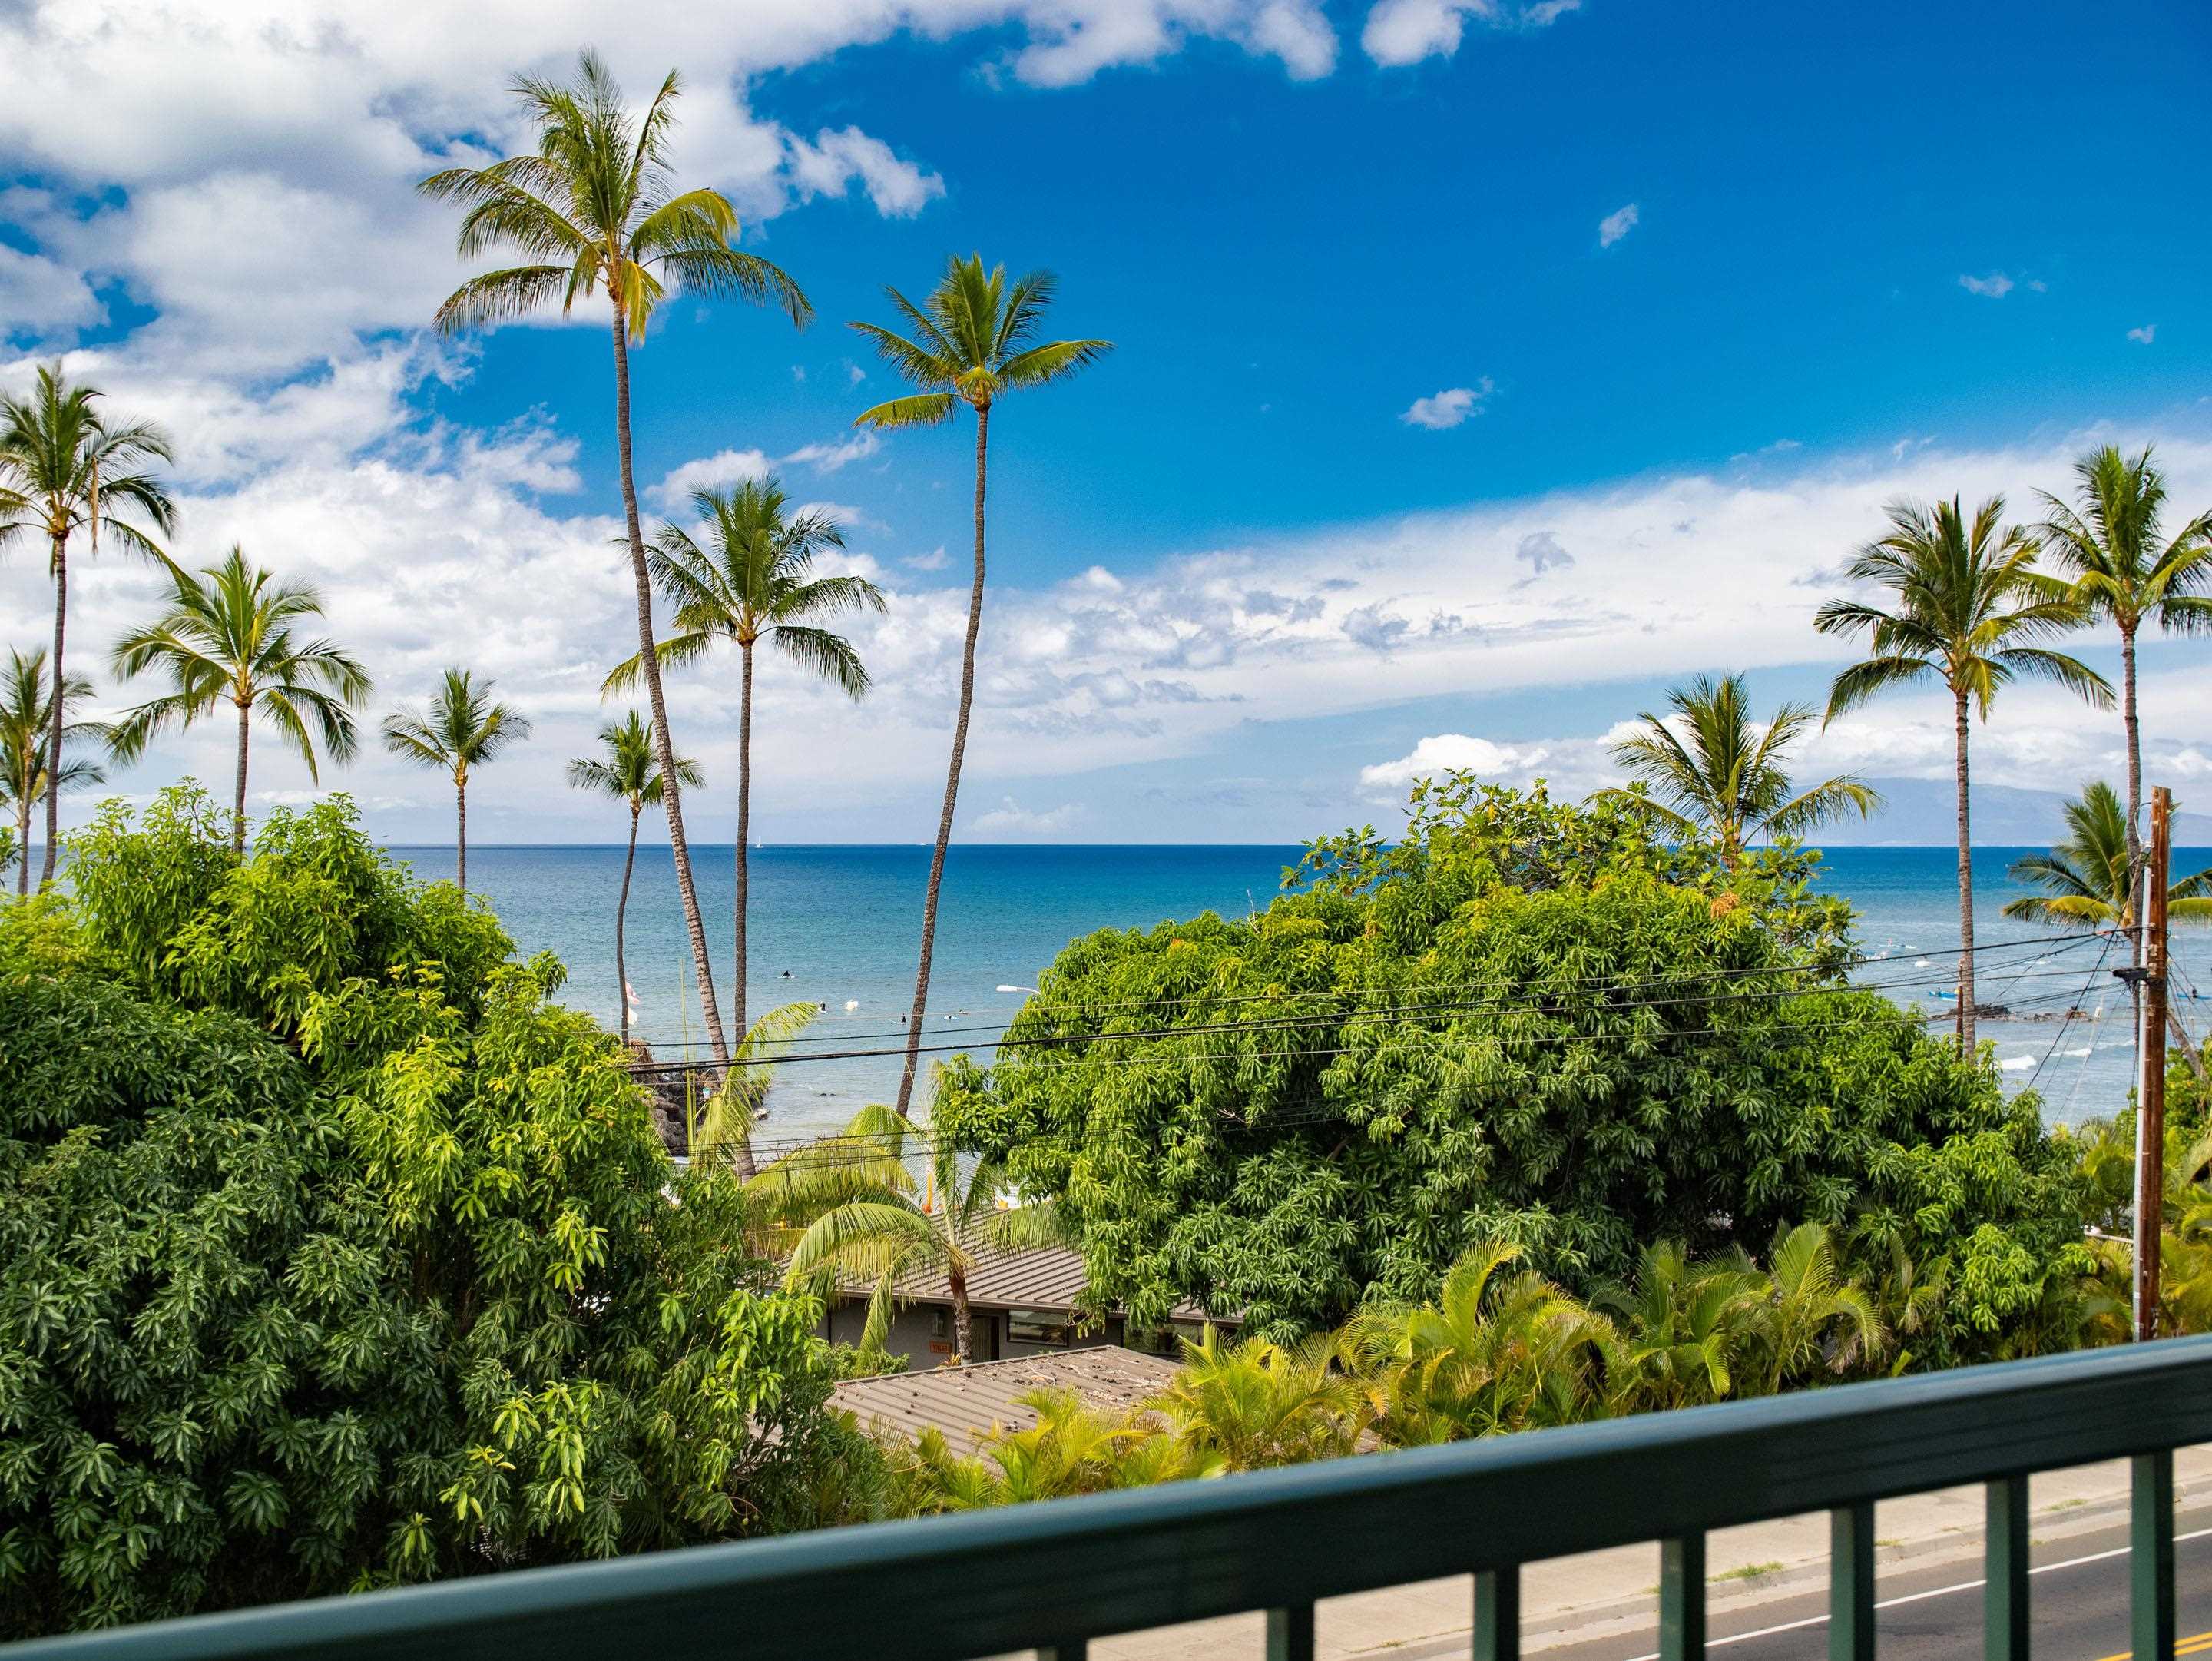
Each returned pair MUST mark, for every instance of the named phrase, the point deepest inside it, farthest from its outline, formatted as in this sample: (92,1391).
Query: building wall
(922,1333)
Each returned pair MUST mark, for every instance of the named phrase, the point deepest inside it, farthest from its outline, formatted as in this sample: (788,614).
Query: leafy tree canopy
(332,1253)
(1521,1022)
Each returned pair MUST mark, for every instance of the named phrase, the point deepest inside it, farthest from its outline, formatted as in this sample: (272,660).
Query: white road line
(1920,1597)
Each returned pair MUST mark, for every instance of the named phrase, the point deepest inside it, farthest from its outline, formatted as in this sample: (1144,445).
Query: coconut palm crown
(1720,776)
(230,637)
(26,721)
(460,730)
(66,466)
(2087,879)
(1968,608)
(973,340)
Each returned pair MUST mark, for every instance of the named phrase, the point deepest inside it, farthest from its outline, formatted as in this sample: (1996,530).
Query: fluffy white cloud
(1618,224)
(1010,818)
(1447,752)
(1447,409)
(1400,32)
(898,188)
(2145,335)
(718,472)
(41,297)
(1995,286)
(829,457)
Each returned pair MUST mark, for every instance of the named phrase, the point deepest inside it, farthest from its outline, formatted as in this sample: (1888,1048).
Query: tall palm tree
(229,639)
(462,729)
(1965,603)
(2088,878)
(60,460)
(974,341)
(753,579)
(595,206)
(855,1196)
(2120,571)
(1726,782)
(627,769)
(26,722)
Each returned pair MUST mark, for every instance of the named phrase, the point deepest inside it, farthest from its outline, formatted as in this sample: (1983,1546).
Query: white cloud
(829,458)
(1447,409)
(1543,552)
(934,560)
(1995,286)
(1010,818)
(1446,752)
(1400,32)
(40,297)
(718,472)
(1618,224)
(2145,335)
(898,188)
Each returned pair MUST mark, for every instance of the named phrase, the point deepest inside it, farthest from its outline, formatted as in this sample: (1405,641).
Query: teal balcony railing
(1053,1577)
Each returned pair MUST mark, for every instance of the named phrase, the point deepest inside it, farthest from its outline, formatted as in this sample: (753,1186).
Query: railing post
(2004,1600)
(1291,1633)
(1682,1598)
(2150,1556)
(1498,1615)
(1851,1583)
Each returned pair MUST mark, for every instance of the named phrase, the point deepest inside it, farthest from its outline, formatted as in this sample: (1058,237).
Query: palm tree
(974,341)
(628,770)
(1726,782)
(754,581)
(1806,1315)
(1255,1403)
(595,206)
(2121,572)
(60,458)
(1687,1326)
(462,729)
(230,639)
(853,1194)
(2089,883)
(1966,602)
(26,722)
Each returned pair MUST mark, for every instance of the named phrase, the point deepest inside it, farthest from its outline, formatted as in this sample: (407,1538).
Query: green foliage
(1523,1022)
(333,1255)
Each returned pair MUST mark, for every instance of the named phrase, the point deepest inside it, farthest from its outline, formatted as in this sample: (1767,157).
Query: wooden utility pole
(2150,1090)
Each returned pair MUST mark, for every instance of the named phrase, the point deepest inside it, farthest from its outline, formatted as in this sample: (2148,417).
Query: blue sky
(1468,395)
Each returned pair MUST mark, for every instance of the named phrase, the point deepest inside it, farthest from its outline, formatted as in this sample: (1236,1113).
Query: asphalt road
(2078,1603)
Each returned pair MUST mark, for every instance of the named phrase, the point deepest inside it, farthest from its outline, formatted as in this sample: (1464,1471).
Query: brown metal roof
(968,1402)
(1049,1279)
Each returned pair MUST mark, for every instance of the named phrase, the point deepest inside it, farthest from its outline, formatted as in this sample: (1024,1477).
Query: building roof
(967,1403)
(1049,1279)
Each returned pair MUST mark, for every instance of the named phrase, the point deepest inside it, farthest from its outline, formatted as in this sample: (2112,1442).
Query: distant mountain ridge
(1922,813)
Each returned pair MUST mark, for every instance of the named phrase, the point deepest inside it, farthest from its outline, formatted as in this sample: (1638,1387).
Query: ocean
(837,926)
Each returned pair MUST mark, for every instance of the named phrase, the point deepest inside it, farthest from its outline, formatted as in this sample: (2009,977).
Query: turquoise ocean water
(838,926)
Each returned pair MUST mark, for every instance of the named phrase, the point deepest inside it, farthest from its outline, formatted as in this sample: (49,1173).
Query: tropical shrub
(1523,1022)
(333,1255)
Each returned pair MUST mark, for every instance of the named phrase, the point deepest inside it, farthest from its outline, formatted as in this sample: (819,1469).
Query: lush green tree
(2120,567)
(595,206)
(973,340)
(231,638)
(1807,1315)
(752,581)
(1686,1330)
(334,1254)
(460,730)
(1517,1022)
(25,730)
(1721,776)
(627,769)
(65,466)
(853,1198)
(1965,605)
(1252,1403)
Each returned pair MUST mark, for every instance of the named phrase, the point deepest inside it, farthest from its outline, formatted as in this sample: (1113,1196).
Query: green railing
(1053,1577)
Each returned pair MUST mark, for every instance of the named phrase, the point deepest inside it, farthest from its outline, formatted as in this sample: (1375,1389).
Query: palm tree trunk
(2135,742)
(54,731)
(744,830)
(962,1326)
(952,777)
(23,834)
(621,906)
(1965,892)
(664,752)
(238,790)
(461,830)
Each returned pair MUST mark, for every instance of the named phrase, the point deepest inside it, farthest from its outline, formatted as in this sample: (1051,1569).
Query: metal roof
(1049,1279)
(968,1402)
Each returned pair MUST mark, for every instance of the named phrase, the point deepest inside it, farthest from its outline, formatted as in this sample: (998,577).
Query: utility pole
(2150,1090)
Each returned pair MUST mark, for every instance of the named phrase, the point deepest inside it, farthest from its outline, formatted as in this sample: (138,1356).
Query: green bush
(333,1255)
(1523,1022)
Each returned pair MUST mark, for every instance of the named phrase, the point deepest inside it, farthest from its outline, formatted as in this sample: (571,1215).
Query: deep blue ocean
(838,926)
